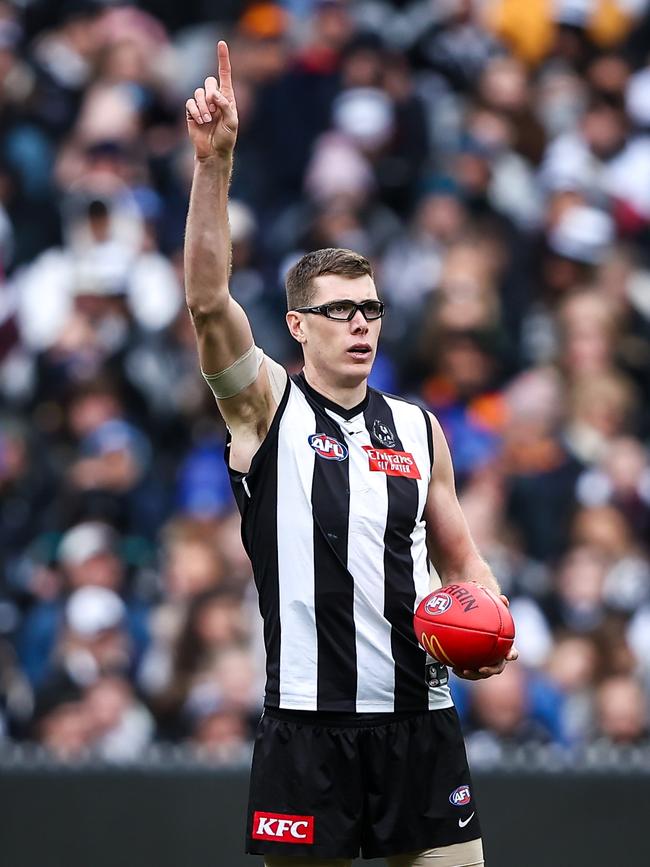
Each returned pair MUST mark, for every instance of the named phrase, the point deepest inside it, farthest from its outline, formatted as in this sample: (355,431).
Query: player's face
(343,350)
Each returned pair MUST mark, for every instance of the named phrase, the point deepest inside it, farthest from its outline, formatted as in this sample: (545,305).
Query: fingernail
(207,116)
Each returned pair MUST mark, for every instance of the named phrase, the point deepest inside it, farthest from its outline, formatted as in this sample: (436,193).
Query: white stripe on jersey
(368,497)
(298,638)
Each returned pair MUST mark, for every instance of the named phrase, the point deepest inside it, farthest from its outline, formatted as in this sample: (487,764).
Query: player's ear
(295,326)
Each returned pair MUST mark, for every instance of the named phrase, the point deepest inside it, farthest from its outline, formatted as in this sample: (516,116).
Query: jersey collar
(326,403)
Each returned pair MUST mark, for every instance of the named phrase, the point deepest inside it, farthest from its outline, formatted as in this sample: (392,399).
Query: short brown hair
(332,260)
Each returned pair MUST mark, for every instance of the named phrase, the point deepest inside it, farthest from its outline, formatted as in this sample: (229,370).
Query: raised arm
(451,546)
(223,332)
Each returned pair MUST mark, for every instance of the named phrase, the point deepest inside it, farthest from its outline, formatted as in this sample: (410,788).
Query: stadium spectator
(60,722)
(621,711)
(512,712)
(213,625)
(89,560)
(121,726)
(572,666)
(192,566)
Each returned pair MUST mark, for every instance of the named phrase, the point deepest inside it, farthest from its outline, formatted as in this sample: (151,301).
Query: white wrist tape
(237,377)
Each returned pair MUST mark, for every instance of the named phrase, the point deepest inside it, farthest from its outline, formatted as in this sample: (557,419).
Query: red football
(464,625)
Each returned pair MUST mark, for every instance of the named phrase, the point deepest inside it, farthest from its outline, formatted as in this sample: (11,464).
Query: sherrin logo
(283,828)
(460,796)
(327,447)
(438,604)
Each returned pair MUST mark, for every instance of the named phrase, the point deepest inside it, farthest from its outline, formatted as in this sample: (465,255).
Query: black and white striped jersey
(332,519)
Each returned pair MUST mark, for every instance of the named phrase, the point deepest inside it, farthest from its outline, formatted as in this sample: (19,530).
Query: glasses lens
(372,309)
(340,309)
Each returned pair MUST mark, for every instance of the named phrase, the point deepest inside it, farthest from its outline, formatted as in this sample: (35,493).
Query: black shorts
(325,786)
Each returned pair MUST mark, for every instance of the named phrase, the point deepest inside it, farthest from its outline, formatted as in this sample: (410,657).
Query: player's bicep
(234,367)
(223,335)
(449,540)
(249,413)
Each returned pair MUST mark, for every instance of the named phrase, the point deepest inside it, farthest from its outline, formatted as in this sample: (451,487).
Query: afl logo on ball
(438,604)
(327,447)
(460,796)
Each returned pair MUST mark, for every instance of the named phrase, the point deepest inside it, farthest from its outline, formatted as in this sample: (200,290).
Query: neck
(346,396)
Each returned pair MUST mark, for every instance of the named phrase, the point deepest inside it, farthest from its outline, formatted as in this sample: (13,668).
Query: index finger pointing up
(225,78)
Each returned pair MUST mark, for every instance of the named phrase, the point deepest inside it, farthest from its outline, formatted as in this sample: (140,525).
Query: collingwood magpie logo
(383,434)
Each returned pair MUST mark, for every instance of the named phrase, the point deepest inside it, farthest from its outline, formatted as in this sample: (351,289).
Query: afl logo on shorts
(460,796)
(327,447)
(438,604)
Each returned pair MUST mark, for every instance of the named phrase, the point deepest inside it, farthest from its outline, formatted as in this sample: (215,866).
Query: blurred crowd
(492,159)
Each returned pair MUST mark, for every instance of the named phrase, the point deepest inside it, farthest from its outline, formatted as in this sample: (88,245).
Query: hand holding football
(464,625)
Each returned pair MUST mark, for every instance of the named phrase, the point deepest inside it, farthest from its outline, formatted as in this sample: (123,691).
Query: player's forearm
(472,568)
(207,238)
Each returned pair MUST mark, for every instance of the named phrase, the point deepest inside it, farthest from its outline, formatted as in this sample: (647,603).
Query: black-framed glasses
(345,309)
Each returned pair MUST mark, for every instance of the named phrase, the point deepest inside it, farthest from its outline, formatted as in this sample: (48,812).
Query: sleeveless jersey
(332,520)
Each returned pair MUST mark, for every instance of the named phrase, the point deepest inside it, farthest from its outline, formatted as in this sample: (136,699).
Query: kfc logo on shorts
(327,447)
(283,828)
(438,604)
(460,796)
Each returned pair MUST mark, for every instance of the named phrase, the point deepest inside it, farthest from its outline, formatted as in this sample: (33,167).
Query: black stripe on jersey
(333,584)
(259,510)
(427,424)
(269,589)
(399,603)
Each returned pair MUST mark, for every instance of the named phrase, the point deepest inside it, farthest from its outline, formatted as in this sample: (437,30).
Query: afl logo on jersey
(327,447)
(438,604)
(460,796)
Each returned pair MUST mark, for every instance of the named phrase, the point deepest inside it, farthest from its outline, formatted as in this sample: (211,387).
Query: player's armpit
(253,407)
(250,412)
